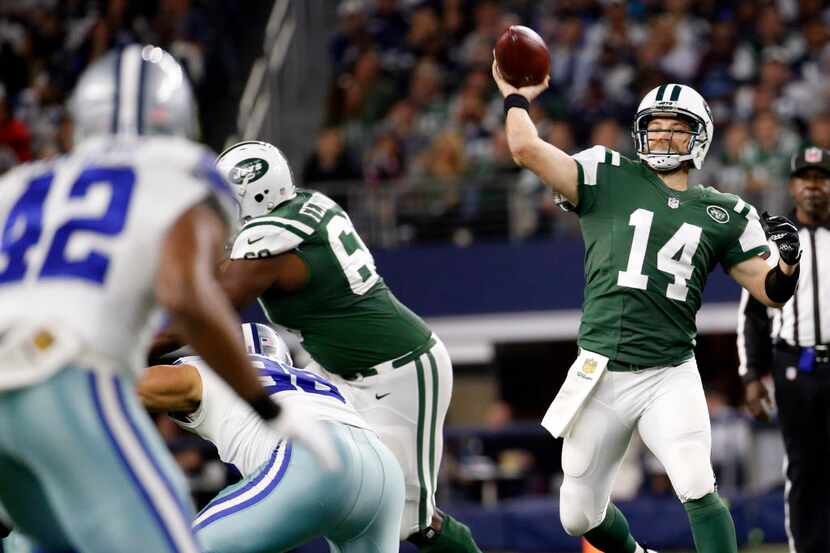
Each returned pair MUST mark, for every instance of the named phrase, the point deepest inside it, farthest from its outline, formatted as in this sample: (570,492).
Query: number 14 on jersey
(685,242)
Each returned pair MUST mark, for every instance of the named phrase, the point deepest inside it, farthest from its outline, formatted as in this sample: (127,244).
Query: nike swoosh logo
(255,241)
(381,396)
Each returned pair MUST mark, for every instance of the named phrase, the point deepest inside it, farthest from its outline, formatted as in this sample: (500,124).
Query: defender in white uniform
(284,498)
(91,245)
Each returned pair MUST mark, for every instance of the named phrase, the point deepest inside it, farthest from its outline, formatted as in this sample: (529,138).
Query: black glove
(781,231)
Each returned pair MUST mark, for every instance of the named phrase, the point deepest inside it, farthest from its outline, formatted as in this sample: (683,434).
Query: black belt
(788,348)
(822,352)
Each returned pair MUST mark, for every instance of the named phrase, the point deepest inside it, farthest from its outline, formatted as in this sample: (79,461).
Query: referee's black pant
(803,400)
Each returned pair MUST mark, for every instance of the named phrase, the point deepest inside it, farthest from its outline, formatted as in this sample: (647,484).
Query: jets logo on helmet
(674,100)
(248,170)
(263,340)
(261,174)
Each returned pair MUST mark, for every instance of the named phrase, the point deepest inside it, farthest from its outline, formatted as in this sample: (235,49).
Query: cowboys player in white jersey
(651,239)
(93,245)
(284,498)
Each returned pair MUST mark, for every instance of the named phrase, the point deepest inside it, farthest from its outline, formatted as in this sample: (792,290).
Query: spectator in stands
(424,38)
(15,138)
(400,121)
(384,160)
(352,35)
(330,161)
(388,24)
(476,50)
(569,57)
(425,95)
(819,131)
(728,172)
(468,111)
(767,155)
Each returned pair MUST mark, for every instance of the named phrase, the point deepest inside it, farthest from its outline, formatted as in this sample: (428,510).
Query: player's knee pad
(691,471)
(578,509)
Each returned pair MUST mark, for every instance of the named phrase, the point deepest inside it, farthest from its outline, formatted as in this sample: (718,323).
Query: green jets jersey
(648,252)
(348,318)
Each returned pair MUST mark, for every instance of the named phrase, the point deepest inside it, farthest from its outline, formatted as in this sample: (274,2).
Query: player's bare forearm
(189,290)
(170,388)
(752,273)
(244,280)
(553,166)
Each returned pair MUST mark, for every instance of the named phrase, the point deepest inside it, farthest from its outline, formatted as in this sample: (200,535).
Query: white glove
(295,423)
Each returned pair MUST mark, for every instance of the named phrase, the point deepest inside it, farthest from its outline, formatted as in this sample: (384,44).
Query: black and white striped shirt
(803,321)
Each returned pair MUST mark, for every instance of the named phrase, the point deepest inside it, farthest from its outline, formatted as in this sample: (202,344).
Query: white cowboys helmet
(263,340)
(134,90)
(261,175)
(674,100)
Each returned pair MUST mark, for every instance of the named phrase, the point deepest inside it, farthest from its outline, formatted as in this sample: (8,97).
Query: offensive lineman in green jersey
(651,241)
(299,254)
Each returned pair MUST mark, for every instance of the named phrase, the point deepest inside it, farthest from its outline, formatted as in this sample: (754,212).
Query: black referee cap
(810,158)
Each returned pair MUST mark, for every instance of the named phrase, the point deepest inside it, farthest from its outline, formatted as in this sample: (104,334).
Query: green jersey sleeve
(269,236)
(749,240)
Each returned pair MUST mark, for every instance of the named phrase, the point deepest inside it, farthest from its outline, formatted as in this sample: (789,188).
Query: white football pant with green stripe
(406,404)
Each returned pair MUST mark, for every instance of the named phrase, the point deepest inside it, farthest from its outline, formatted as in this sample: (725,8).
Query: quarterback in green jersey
(300,256)
(651,241)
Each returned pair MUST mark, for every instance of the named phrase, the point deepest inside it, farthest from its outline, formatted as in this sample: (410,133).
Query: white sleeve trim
(263,241)
(589,160)
(753,235)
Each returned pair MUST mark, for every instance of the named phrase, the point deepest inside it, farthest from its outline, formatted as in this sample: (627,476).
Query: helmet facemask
(667,160)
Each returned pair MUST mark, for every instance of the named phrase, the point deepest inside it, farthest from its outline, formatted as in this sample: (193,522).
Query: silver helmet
(137,89)
(263,340)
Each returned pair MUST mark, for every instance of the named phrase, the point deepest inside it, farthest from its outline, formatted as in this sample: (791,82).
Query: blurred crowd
(412,98)
(46,44)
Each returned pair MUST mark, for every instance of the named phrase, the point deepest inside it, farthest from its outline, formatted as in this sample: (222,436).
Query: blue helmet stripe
(142,76)
(116,103)
(255,336)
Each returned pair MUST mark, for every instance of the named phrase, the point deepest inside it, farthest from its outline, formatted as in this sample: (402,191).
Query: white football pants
(406,406)
(668,408)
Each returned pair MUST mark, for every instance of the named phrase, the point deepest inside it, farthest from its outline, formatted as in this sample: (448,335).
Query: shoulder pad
(262,238)
(591,158)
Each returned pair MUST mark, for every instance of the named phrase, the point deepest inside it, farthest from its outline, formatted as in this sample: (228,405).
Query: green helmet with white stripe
(674,100)
(261,175)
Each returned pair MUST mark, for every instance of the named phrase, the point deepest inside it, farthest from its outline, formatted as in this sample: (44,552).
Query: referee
(793,344)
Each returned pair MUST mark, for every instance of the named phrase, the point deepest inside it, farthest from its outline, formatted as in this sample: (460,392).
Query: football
(522,56)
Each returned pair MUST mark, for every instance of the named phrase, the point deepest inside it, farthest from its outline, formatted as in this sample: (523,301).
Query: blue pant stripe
(256,498)
(117,448)
(183,510)
(262,474)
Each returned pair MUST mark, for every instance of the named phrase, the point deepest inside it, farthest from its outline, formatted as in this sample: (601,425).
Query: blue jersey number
(279,377)
(24,226)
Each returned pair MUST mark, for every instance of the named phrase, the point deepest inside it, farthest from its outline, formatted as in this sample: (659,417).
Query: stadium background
(388,106)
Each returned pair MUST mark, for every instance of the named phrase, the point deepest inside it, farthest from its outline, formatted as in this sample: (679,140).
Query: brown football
(522,56)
